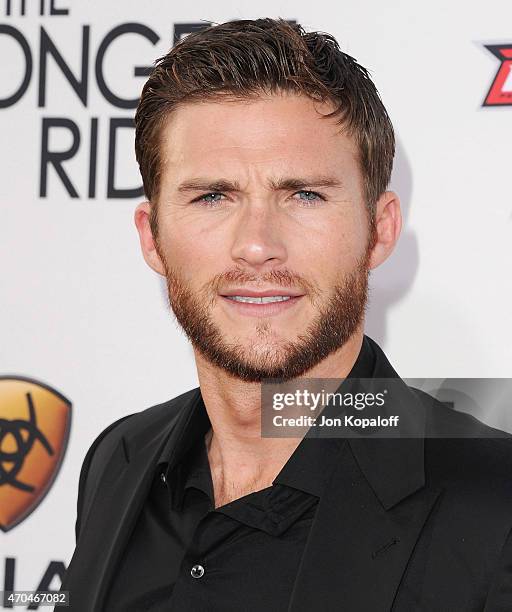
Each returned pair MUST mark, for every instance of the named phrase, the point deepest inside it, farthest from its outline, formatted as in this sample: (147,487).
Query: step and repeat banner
(86,334)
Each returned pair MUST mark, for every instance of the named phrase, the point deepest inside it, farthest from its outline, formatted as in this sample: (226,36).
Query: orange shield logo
(34,429)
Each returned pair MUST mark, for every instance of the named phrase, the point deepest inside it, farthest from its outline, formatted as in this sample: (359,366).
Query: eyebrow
(283,184)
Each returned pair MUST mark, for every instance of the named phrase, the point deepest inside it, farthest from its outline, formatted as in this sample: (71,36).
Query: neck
(241,461)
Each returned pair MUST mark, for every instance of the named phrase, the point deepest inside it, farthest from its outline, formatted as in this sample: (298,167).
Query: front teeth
(259,300)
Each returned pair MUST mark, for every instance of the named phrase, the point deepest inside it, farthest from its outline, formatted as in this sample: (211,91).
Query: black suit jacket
(406,525)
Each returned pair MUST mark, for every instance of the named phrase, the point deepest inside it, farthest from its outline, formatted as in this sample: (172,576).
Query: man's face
(260,201)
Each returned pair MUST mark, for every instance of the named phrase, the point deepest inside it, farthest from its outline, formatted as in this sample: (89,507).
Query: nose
(258,237)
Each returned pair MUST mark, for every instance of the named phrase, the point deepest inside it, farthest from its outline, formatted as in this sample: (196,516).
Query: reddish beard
(334,324)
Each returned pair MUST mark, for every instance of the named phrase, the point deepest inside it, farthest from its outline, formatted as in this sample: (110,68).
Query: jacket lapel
(369,517)
(358,547)
(114,510)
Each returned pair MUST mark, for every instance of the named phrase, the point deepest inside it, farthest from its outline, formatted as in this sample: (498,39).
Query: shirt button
(197,571)
(163,478)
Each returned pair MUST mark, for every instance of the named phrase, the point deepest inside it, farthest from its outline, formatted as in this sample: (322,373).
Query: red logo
(500,93)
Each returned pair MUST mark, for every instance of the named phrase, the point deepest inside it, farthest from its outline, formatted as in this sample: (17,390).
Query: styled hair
(244,58)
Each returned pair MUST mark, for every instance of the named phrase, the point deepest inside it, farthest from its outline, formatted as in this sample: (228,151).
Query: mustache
(281,278)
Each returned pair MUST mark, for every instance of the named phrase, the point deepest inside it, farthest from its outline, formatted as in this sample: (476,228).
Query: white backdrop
(81,311)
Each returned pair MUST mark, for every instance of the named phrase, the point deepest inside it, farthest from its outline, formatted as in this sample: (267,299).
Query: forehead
(283,132)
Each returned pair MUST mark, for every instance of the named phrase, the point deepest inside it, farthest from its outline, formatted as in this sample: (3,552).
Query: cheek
(336,246)
(196,253)
(325,264)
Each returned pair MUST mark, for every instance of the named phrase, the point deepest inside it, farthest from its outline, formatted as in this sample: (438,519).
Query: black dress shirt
(186,555)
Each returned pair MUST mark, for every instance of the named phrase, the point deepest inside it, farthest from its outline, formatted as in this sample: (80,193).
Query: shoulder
(147,419)
(444,421)
(467,456)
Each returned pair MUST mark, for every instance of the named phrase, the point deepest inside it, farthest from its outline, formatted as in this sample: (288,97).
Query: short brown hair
(246,57)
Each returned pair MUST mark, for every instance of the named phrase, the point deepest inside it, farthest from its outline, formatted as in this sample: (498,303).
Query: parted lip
(267,293)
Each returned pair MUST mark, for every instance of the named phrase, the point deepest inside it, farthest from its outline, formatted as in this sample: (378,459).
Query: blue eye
(316,195)
(202,199)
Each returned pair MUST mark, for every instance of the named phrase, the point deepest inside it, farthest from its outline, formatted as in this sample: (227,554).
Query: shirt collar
(181,459)
(310,465)
(308,468)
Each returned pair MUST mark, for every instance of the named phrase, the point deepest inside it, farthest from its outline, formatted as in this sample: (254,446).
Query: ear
(147,242)
(388,220)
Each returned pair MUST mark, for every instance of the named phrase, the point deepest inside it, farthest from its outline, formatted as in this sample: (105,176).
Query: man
(266,154)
